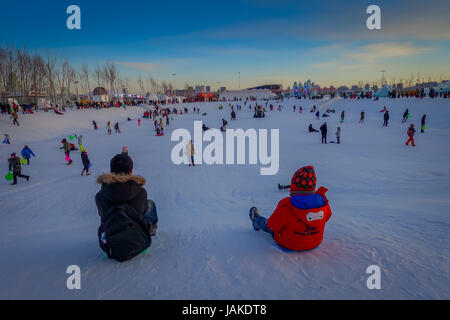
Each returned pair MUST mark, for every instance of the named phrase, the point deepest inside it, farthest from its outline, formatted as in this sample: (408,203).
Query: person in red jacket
(411,131)
(299,220)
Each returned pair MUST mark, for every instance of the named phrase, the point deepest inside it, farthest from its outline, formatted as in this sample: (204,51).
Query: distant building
(258,94)
(275,88)
(342,89)
(308,84)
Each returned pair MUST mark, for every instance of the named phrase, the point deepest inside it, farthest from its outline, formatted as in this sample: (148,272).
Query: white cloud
(387,50)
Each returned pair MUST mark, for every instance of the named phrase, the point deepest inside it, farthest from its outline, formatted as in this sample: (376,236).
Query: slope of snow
(390,208)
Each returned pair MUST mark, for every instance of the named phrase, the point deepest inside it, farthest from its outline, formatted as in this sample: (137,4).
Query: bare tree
(140,83)
(38,74)
(154,84)
(111,76)
(84,75)
(3,73)
(24,70)
(164,86)
(99,75)
(69,75)
(50,66)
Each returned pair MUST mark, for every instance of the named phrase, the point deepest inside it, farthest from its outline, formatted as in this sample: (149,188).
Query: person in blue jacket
(27,153)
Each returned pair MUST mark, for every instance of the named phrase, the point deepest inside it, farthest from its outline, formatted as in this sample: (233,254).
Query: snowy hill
(390,208)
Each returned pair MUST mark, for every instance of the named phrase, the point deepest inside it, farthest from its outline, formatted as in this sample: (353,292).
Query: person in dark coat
(405,116)
(311,129)
(16,168)
(324,130)
(86,162)
(122,187)
(386,118)
(422,122)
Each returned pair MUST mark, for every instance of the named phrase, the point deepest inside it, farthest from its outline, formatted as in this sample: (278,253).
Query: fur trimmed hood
(110,178)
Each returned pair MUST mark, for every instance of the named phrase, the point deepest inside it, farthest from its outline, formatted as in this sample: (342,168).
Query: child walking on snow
(16,168)
(67,148)
(27,153)
(361,120)
(6,140)
(86,162)
(338,135)
(411,131)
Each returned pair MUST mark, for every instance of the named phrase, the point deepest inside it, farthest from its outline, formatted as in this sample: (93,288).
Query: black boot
(253,214)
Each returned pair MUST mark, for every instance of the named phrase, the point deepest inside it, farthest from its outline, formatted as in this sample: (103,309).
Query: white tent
(443,87)
(384,92)
(150,97)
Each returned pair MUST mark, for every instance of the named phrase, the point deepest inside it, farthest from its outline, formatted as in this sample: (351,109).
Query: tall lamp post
(173,89)
(239,75)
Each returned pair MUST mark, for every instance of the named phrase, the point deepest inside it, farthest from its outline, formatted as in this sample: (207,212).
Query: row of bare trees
(28,76)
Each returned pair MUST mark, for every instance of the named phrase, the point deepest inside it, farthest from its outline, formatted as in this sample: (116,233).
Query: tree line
(28,76)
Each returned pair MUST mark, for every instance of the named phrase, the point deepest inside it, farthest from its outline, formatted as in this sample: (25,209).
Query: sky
(241,43)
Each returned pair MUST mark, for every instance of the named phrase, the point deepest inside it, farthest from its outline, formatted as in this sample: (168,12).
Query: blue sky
(205,42)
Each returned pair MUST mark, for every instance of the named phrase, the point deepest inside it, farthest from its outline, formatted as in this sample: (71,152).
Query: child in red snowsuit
(299,220)
(411,131)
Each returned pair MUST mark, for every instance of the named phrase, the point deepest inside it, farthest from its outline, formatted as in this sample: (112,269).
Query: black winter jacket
(14,164)
(119,189)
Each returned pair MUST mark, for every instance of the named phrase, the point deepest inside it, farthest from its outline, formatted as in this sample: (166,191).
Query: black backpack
(127,234)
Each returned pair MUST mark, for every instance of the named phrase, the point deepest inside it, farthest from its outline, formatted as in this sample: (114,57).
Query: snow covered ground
(390,208)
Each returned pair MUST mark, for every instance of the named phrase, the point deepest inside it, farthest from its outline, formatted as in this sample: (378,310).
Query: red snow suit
(299,229)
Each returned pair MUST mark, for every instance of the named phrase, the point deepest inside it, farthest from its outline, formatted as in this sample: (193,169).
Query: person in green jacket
(80,143)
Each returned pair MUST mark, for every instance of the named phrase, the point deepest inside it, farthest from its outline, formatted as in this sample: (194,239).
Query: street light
(383,79)
(173,89)
(239,73)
